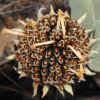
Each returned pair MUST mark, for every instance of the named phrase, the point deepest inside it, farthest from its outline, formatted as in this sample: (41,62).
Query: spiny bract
(54,51)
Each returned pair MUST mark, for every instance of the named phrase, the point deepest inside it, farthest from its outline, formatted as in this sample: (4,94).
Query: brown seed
(60,44)
(60,82)
(60,59)
(67,76)
(36,75)
(45,19)
(51,75)
(53,23)
(58,71)
(52,60)
(45,62)
(44,78)
(36,69)
(65,67)
(44,70)
(26,46)
(37,81)
(52,68)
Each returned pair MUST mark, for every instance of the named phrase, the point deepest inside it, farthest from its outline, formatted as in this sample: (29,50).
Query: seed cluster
(60,62)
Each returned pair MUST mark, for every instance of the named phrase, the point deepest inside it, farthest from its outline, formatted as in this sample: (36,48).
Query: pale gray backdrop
(92,7)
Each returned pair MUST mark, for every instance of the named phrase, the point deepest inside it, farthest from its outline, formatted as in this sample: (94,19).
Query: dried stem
(13,32)
(43,43)
(77,53)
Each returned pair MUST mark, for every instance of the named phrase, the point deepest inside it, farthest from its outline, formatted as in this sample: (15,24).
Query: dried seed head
(54,51)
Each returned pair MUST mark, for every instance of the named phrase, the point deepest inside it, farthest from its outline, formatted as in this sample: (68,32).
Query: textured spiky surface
(54,51)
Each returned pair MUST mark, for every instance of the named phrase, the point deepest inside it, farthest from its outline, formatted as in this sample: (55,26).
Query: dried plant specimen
(54,51)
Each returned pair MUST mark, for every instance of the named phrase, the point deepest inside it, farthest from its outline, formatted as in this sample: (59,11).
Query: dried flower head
(54,51)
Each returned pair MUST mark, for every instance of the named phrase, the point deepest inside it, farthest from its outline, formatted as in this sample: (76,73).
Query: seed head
(55,51)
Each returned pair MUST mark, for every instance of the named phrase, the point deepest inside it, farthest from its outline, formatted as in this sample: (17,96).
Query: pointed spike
(88,72)
(94,52)
(83,79)
(81,73)
(77,53)
(45,90)
(81,19)
(66,14)
(35,86)
(60,89)
(22,74)
(61,22)
(92,41)
(71,81)
(51,10)
(39,15)
(74,71)
(13,32)
(17,30)
(30,20)
(16,41)
(43,43)
(11,57)
(68,89)
(89,31)
(22,22)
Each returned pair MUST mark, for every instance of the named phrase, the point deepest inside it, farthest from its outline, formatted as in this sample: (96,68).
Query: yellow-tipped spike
(80,74)
(61,21)
(60,89)
(68,89)
(51,10)
(45,90)
(81,19)
(88,72)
